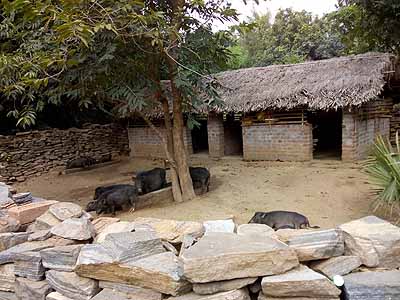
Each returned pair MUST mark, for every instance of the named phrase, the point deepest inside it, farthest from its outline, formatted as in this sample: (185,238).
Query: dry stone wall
(33,153)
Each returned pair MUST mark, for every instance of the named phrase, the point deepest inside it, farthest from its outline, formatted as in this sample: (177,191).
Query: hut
(331,108)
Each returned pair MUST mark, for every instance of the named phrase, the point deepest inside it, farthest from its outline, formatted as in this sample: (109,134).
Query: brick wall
(273,142)
(144,142)
(216,139)
(37,152)
(359,133)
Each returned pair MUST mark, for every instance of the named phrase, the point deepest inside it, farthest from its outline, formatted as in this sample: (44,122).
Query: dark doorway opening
(327,134)
(200,137)
(233,137)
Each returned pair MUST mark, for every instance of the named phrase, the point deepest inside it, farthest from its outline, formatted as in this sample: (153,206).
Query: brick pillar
(215,129)
(349,137)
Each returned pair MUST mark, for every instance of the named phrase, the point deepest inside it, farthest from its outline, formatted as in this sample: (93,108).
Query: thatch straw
(326,84)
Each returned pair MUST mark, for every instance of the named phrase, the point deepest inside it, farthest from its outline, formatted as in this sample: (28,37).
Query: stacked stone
(65,255)
(37,152)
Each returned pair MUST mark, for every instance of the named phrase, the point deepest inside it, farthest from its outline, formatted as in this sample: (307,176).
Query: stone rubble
(66,255)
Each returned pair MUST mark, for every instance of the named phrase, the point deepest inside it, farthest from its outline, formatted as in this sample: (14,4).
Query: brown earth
(328,192)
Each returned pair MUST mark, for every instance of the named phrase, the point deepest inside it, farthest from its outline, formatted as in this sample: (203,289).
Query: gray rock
(75,229)
(8,224)
(114,227)
(4,192)
(65,210)
(11,239)
(26,289)
(7,278)
(7,296)
(187,242)
(231,295)
(134,292)
(29,265)
(372,285)
(9,255)
(222,286)
(227,226)
(161,272)
(257,229)
(316,245)
(374,240)
(300,282)
(340,265)
(46,221)
(263,297)
(57,296)
(40,235)
(225,256)
(61,258)
(108,294)
(71,285)
(102,222)
(255,287)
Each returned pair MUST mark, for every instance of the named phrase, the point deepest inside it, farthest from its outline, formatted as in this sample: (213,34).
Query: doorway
(233,136)
(200,137)
(327,134)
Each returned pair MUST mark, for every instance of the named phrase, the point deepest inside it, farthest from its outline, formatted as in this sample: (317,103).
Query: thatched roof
(326,84)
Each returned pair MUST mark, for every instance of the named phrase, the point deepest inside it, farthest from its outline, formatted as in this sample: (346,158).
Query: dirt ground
(328,192)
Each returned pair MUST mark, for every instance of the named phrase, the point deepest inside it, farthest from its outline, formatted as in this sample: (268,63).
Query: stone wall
(144,142)
(273,142)
(37,152)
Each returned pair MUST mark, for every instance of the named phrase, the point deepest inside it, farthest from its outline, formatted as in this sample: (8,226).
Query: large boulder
(374,240)
(340,265)
(372,285)
(11,239)
(231,295)
(225,256)
(61,258)
(65,210)
(7,278)
(222,286)
(170,230)
(300,282)
(315,245)
(134,292)
(71,285)
(26,289)
(75,229)
(136,258)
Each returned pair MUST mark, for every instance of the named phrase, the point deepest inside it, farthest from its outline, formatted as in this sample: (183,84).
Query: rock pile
(66,255)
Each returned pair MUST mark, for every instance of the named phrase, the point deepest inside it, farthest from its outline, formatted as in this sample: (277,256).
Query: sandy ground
(328,192)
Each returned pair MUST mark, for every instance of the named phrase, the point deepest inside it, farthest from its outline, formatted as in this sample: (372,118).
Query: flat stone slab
(72,285)
(7,296)
(61,258)
(161,272)
(26,289)
(114,228)
(263,297)
(65,210)
(340,265)
(40,235)
(57,296)
(29,265)
(372,285)
(28,213)
(300,282)
(315,245)
(231,295)
(9,255)
(170,230)
(257,229)
(11,239)
(108,294)
(374,240)
(102,222)
(134,292)
(75,229)
(225,256)
(222,286)
(46,221)
(219,226)
(7,278)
